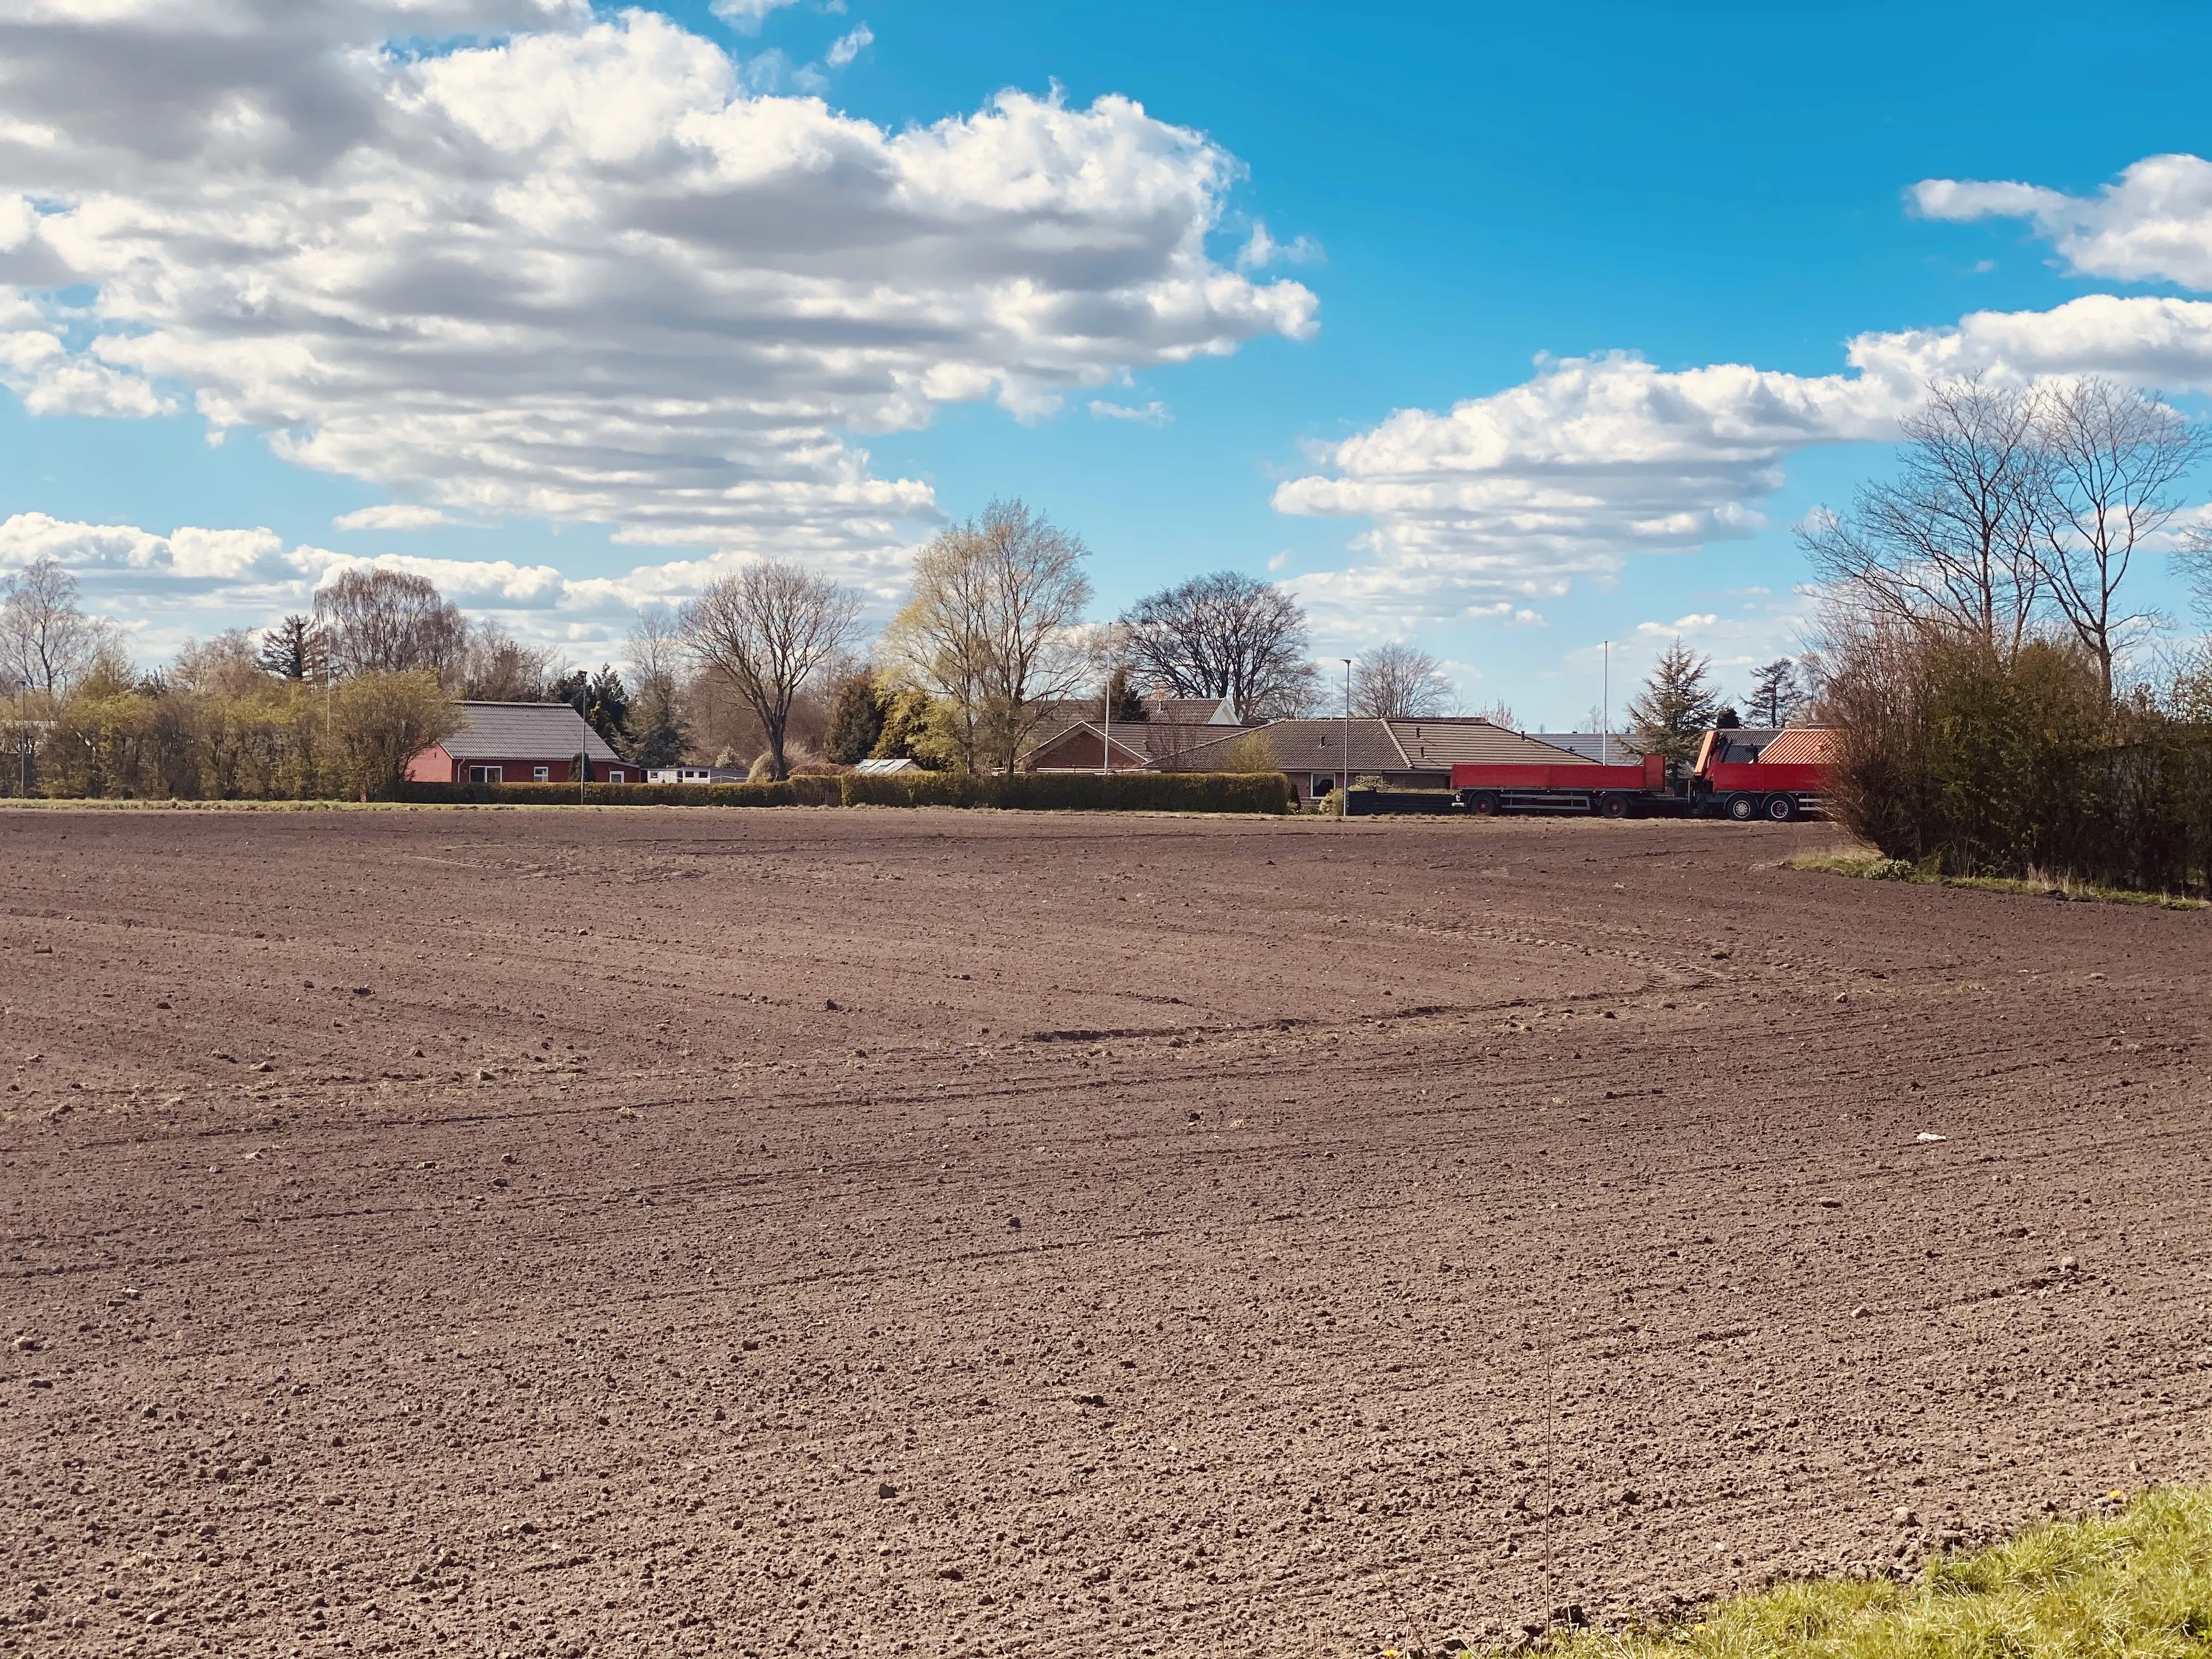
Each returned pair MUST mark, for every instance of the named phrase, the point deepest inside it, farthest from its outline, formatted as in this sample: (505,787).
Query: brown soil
(657,1232)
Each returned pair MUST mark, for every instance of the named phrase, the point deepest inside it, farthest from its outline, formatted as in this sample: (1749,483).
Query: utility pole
(1605,718)
(1106,749)
(1344,788)
(23,731)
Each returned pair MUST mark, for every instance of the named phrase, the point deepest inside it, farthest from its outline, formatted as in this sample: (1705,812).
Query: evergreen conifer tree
(1677,703)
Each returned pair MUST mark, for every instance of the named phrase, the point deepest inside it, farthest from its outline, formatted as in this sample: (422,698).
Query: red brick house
(521,743)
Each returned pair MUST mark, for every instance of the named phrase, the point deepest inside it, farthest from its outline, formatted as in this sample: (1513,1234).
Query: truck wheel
(1743,808)
(1781,808)
(1482,804)
(1613,807)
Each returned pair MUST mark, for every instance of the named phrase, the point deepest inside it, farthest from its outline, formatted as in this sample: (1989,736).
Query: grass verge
(2135,1584)
(1870,865)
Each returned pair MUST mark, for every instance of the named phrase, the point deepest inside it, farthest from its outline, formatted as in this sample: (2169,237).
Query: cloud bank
(2153,224)
(164,588)
(576,271)
(1484,510)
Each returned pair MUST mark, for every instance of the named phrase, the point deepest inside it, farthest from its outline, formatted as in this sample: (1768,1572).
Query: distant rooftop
(524,731)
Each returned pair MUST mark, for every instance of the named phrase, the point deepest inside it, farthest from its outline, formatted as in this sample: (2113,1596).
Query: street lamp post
(23,731)
(1605,694)
(1106,749)
(1344,786)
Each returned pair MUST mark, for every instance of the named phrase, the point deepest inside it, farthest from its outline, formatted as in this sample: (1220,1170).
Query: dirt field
(788,1232)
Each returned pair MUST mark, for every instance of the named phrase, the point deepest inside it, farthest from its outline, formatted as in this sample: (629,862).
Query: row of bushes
(1986,765)
(1171,791)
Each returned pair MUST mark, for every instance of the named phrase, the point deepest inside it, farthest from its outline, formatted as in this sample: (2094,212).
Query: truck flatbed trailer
(1610,792)
(1719,784)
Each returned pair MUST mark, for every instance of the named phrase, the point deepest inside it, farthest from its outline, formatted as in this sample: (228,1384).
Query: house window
(541,774)
(486,774)
(615,775)
(1321,785)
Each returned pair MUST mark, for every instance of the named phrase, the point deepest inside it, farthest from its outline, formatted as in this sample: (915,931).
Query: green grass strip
(1870,865)
(2133,1584)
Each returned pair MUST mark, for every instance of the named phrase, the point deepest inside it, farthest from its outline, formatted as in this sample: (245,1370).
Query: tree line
(765,671)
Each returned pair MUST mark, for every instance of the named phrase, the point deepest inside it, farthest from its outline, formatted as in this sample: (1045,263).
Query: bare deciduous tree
(2196,557)
(2113,459)
(497,667)
(46,639)
(1396,681)
(993,628)
(226,667)
(389,622)
(660,723)
(1225,635)
(764,631)
(1955,541)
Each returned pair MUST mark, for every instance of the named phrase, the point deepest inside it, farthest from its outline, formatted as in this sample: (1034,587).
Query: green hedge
(1170,792)
(604,794)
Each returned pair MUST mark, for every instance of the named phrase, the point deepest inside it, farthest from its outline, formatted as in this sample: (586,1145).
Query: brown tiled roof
(1204,717)
(1615,748)
(1192,711)
(1136,743)
(1318,745)
(1432,744)
(1800,745)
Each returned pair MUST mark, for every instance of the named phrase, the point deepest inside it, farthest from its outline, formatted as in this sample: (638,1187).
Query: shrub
(1982,764)
(385,719)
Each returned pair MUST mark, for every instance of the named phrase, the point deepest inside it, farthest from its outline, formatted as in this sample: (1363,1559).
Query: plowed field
(634,1231)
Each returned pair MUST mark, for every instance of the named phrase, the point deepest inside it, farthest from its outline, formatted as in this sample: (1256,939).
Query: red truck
(1739,772)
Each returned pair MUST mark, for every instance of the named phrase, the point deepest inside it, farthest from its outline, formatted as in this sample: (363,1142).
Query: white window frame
(541,774)
(486,775)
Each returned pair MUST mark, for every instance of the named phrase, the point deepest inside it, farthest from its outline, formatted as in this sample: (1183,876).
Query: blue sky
(1476,186)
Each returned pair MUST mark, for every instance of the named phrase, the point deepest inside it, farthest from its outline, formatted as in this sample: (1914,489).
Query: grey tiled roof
(524,731)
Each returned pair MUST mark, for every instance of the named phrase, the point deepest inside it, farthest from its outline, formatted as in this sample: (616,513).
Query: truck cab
(1747,773)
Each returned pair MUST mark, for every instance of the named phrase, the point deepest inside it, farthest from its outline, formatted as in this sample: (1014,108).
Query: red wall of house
(436,765)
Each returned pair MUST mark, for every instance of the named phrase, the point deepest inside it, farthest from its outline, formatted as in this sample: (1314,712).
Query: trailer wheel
(1781,808)
(1482,804)
(1613,807)
(1743,808)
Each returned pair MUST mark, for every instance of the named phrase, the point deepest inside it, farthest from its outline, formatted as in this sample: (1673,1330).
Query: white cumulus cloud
(846,48)
(392,515)
(747,16)
(576,271)
(1505,500)
(2153,224)
(192,581)
(1154,413)
(1262,250)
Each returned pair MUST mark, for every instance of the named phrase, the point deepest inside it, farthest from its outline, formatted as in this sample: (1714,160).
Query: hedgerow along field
(988,1233)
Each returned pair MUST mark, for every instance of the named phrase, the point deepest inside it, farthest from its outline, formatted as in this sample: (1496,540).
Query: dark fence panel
(1387,802)
(1173,792)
